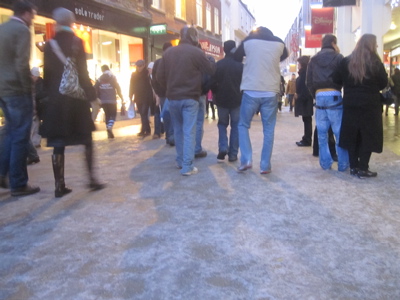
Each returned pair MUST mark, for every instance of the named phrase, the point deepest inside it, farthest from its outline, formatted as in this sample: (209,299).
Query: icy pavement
(297,233)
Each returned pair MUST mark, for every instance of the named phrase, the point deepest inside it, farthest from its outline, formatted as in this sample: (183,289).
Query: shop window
(208,16)
(180,9)
(199,12)
(158,4)
(216,20)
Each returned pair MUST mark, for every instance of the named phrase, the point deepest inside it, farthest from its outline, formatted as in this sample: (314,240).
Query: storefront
(211,46)
(111,36)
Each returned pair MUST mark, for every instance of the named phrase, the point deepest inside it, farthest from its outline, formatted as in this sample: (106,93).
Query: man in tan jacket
(291,90)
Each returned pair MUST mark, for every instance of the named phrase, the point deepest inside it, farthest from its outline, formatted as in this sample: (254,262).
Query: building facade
(205,15)
(237,20)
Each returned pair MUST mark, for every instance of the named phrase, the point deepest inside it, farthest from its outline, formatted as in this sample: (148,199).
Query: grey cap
(140,63)
(63,16)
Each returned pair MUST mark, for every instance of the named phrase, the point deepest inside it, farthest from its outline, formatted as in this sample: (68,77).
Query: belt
(329,107)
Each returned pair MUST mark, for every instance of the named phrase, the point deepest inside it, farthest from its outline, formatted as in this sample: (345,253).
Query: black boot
(58,170)
(94,184)
(110,134)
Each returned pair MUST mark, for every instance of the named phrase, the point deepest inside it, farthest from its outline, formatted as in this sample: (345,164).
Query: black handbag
(387,97)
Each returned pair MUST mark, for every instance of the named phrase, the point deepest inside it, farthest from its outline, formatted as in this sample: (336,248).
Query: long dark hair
(363,57)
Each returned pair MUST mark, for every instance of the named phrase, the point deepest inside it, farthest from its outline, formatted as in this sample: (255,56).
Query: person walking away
(67,121)
(210,104)
(363,76)
(16,98)
(155,106)
(225,84)
(180,72)
(140,87)
(396,87)
(282,93)
(304,102)
(261,87)
(160,92)
(199,152)
(326,89)
(291,91)
(107,88)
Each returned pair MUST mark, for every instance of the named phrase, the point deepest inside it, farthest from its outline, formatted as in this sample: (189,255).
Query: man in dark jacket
(328,98)
(396,89)
(226,85)
(180,72)
(16,98)
(140,87)
(107,88)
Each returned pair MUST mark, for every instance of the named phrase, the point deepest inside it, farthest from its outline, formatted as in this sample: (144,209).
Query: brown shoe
(25,191)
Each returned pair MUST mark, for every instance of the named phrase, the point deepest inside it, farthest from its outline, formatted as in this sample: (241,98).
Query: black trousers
(359,157)
(307,137)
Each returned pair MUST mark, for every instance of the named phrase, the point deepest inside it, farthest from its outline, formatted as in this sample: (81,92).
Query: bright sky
(277,15)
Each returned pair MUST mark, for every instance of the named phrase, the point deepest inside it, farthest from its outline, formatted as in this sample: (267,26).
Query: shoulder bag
(69,85)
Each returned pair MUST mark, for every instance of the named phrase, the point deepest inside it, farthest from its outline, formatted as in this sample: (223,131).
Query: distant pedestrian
(140,87)
(326,89)
(364,75)
(291,91)
(225,84)
(161,93)
(261,87)
(282,93)
(67,120)
(107,88)
(16,98)
(304,102)
(396,88)
(210,105)
(180,72)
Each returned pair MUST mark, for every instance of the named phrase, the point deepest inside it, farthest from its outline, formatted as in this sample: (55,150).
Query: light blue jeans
(200,124)
(226,116)
(184,116)
(268,108)
(326,118)
(18,111)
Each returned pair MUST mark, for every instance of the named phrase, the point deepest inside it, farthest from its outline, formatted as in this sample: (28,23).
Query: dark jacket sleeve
(239,53)
(160,75)
(382,77)
(285,54)
(158,89)
(309,78)
(132,87)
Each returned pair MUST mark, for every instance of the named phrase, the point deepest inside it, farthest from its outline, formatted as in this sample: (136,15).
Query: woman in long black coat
(67,121)
(303,105)
(363,77)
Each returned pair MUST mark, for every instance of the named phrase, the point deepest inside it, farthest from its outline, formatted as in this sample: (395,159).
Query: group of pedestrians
(354,118)
(178,84)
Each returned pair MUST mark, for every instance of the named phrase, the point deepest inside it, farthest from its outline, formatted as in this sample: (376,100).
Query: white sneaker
(191,172)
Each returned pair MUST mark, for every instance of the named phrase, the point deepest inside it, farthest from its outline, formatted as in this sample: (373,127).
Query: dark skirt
(365,121)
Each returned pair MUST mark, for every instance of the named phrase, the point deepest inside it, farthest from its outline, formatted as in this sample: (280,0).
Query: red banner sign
(322,20)
(212,49)
(313,40)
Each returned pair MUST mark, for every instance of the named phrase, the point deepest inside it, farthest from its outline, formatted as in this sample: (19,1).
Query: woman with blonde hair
(363,76)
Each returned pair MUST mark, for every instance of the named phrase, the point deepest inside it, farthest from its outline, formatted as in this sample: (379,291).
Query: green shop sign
(158,29)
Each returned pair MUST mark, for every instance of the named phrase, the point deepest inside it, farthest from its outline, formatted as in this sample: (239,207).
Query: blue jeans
(326,118)
(200,124)
(166,116)
(224,116)
(184,116)
(268,108)
(18,111)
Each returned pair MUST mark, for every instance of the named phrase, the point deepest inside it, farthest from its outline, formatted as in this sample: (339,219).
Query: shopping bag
(131,110)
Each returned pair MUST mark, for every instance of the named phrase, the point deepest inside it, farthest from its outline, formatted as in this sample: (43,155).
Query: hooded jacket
(225,83)
(106,86)
(321,71)
(263,53)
